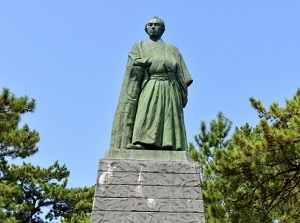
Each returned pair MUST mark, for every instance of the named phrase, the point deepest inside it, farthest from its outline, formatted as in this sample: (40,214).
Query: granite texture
(146,217)
(141,166)
(139,191)
(158,179)
(148,204)
(167,192)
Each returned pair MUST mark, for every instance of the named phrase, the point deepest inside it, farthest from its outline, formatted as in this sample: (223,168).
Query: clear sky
(71,56)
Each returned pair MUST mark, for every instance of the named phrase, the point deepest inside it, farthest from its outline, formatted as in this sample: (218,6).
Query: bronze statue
(154,92)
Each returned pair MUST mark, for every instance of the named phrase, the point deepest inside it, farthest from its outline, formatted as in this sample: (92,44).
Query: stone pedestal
(136,189)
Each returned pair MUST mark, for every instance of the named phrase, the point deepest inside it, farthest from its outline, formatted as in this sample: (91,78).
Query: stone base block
(139,191)
(146,217)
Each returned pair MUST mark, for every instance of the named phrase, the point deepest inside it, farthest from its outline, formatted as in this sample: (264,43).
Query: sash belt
(163,76)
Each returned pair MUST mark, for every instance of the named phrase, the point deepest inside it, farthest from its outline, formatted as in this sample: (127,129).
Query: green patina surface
(154,92)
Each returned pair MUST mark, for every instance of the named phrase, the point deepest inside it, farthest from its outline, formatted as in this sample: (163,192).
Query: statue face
(154,28)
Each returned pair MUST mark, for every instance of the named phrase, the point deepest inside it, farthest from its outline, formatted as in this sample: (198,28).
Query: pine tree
(79,202)
(211,143)
(255,175)
(14,141)
(26,190)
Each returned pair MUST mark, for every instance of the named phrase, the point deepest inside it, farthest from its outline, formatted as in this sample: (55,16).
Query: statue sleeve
(124,118)
(134,57)
(186,74)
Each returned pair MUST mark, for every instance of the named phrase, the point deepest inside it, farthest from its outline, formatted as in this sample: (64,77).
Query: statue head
(155,27)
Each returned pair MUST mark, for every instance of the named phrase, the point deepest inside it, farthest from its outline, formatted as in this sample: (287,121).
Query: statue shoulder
(171,46)
(138,45)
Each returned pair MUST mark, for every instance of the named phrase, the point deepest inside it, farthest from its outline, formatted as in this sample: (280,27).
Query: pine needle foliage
(254,174)
(28,193)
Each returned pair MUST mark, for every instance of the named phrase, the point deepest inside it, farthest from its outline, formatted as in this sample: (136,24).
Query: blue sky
(71,56)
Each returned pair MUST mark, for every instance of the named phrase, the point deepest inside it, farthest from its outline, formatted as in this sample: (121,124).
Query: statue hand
(138,72)
(150,61)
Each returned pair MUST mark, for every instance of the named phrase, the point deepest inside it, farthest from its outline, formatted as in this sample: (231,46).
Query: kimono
(153,95)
